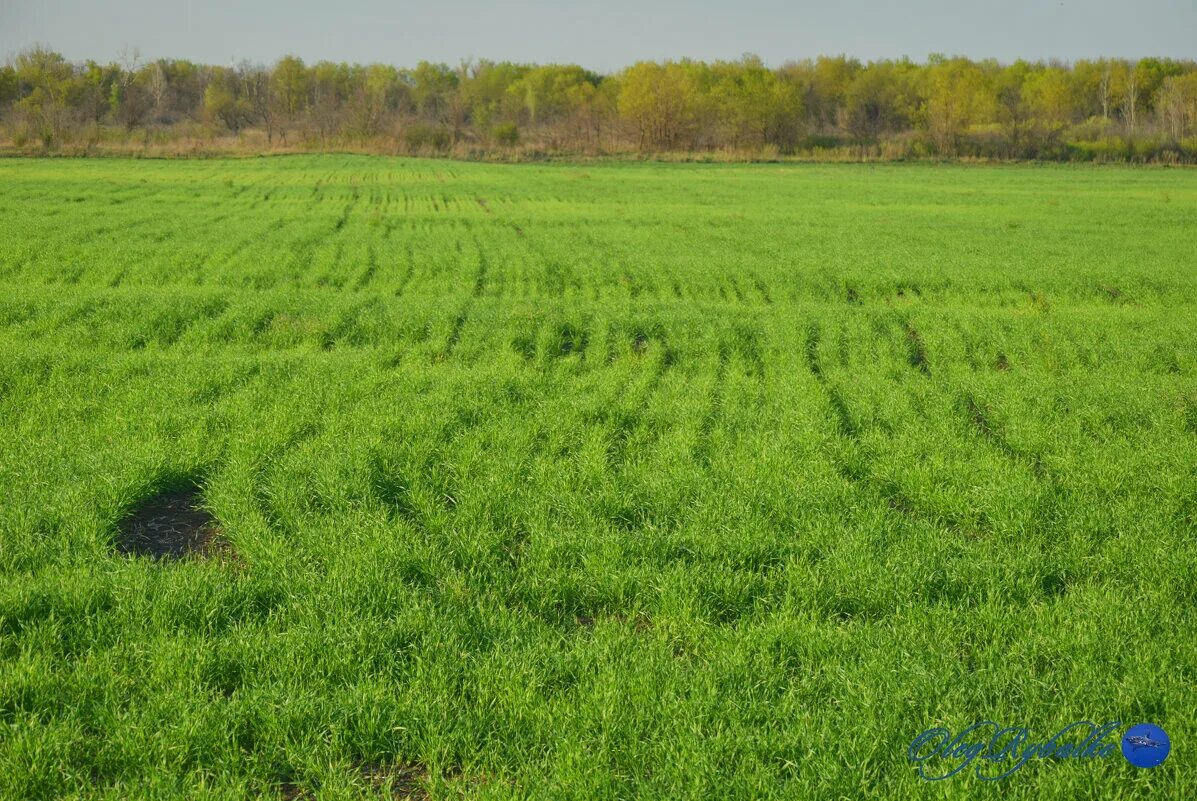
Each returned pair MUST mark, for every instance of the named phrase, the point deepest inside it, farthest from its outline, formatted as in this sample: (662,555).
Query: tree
(130,100)
(1052,97)
(558,101)
(91,92)
(659,100)
(287,98)
(158,85)
(1112,87)
(432,88)
(1013,112)
(1152,72)
(829,80)
(222,103)
(752,105)
(8,85)
(955,104)
(490,94)
(44,81)
(374,94)
(258,94)
(1176,103)
(1133,79)
(289,80)
(875,102)
(955,96)
(185,100)
(330,87)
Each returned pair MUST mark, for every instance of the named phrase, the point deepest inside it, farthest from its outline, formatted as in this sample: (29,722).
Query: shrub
(506,134)
(1112,149)
(420,136)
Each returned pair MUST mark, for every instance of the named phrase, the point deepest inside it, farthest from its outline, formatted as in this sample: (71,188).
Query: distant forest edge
(832,108)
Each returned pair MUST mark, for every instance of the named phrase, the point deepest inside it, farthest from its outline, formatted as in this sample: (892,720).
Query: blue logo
(994,752)
(1146,745)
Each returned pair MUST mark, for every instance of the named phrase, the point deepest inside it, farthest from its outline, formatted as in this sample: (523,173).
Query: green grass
(594,482)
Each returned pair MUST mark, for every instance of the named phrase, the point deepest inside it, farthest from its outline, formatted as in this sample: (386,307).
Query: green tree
(375,94)
(1151,74)
(660,101)
(1014,114)
(488,93)
(222,105)
(558,101)
(44,80)
(91,93)
(831,77)
(752,105)
(877,101)
(330,85)
(287,96)
(129,99)
(954,98)
(290,85)
(8,85)
(545,92)
(1052,96)
(433,86)
(187,82)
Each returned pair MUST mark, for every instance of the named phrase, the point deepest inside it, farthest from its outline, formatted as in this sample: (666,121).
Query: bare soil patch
(402,782)
(170,525)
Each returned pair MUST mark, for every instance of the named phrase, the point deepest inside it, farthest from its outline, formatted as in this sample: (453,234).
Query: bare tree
(158,86)
(130,64)
(1132,96)
(255,82)
(1103,90)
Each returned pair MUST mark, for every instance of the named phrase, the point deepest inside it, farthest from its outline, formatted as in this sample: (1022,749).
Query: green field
(598,481)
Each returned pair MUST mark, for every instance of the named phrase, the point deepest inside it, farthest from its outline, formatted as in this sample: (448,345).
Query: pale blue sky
(601,35)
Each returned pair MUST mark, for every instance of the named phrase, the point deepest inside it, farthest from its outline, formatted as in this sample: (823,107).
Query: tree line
(834,107)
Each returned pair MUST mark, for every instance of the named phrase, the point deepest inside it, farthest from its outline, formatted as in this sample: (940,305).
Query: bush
(420,136)
(1091,130)
(1112,149)
(1146,149)
(819,142)
(506,134)
(899,148)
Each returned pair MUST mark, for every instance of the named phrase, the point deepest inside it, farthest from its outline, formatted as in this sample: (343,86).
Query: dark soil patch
(401,782)
(916,350)
(170,525)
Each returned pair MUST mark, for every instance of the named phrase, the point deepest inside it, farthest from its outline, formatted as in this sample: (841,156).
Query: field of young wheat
(340,476)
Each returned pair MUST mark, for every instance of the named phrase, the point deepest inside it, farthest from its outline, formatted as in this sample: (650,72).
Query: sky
(603,36)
